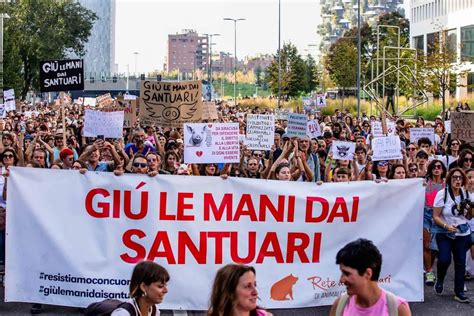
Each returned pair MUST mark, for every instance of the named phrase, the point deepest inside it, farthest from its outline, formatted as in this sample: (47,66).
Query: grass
(243,90)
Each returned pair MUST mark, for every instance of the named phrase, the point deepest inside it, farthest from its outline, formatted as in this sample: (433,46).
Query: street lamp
(235,54)
(209,72)
(2,16)
(358,58)
(136,57)
(279,53)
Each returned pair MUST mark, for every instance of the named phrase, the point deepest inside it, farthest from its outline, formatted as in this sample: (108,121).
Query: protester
(360,263)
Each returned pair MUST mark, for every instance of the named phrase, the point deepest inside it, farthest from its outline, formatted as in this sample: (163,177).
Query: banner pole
(63,114)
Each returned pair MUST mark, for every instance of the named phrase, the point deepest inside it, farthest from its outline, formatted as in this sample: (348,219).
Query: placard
(9,100)
(104,100)
(297,124)
(419,132)
(62,75)
(3,112)
(447,127)
(108,124)
(129,97)
(343,150)
(209,111)
(91,102)
(462,126)
(377,130)
(282,114)
(211,143)
(320,100)
(260,131)
(170,103)
(313,129)
(129,108)
(386,148)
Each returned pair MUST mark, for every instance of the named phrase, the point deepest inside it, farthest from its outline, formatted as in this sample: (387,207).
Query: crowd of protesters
(34,137)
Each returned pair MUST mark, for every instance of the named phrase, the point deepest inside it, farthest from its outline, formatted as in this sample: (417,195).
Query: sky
(143,26)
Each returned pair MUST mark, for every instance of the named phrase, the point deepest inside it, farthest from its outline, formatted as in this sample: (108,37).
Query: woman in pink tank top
(360,263)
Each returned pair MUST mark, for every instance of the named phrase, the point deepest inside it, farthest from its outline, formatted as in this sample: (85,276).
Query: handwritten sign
(211,143)
(419,132)
(3,112)
(447,126)
(129,108)
(109,124)
(313,130)
(386,148)
(320,100)
(462,126)
(282,114)
(297,124)
(9,100)
(343,150)
(91,102)
(104,100)
(377,130)
(260,131)
(209,111)
(62,75)
(170,104)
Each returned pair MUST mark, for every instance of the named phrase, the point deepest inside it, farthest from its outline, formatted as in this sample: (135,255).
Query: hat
(439,117)
(65,152)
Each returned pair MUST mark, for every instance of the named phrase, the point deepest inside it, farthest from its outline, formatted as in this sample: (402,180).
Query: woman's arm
(440,222)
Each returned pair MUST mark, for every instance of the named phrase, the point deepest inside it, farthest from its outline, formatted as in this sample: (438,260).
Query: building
(187,52)
(224,63)
(261,61)
(341,15)
(99,59)
(455,18)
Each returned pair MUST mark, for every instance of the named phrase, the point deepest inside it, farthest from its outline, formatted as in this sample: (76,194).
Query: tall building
(454,17)
(99,59)
(187,52)
(341,15)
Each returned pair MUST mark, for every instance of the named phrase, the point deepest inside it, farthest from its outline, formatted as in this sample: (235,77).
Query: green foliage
(311,74)
(38,31)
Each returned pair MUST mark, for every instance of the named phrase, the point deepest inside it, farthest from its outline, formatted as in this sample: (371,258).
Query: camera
(464,208)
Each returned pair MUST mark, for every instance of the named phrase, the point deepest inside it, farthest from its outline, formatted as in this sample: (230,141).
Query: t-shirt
(380,308)
(431,190)
(446,214)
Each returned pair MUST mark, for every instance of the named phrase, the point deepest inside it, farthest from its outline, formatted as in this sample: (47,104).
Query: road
(434,305)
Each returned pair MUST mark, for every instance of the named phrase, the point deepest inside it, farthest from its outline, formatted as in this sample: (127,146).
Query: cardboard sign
(9,100)
(211,143)
(386,148)
(170,104)
(320,100)
(209,111)
(62,75)
(377,130)
(108,124)
(447,126)
(129,108)
(313,130)
(297,124)
(260,131)
(419,132)
(462,126)
(104,100)
(343,150)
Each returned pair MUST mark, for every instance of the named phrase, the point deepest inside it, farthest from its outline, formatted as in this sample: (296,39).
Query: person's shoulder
(121,312)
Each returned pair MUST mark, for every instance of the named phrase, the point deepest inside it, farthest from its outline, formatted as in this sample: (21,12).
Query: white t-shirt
(124,312)
(446,214)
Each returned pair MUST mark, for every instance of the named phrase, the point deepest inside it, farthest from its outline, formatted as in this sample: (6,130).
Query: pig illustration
(197,136)
(282,290)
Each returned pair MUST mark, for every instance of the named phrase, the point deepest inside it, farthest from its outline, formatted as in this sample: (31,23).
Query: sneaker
(439,287)
(460,297)
(430,278)
(465,288)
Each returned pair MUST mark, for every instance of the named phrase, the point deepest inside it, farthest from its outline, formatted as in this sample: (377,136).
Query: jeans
(458,247)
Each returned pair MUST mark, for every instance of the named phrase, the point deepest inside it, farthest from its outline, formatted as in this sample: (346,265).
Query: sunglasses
(467,159)
(258,155)
(140,165)
(457,178)
(383,163)
(437,167)
(413,169)
(8,156)
(454,144)
(411,149)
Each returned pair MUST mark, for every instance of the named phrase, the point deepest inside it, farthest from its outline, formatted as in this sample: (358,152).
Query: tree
(292,72)
(341,64)
(42,30)
(258,75)
(311,74)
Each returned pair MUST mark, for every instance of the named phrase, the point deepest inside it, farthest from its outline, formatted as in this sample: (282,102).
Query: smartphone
(101,137)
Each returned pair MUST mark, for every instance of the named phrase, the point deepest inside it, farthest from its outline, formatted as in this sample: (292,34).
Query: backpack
(391,303)
(106,307)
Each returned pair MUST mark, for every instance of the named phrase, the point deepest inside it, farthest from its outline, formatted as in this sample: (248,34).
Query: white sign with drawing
(386,148)
(343,150)
(313,130)
(108,124)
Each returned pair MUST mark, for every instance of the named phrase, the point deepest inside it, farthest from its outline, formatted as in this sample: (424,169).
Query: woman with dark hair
(148,287)
(380,170)
(435,175)
(397,171)
(234,292)
(420,121)
(412,170)
(452,152)
(208,169)
(464,161)
(171,162)
(453,234)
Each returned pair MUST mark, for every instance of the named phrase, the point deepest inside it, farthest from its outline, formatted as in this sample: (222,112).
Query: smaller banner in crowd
(3,112)
(9,100)
(170,104)
(260,131)
(62,75)
(100,123)
(386,148)
(447,126)
(209,111)
(211,143)
(320,100)
(129,108)
(462,126)
(313,130)
(282,114)
(343,150)
(419,132)
(377,129)
(129,97)
(104,100)
(297,124)
(90,102)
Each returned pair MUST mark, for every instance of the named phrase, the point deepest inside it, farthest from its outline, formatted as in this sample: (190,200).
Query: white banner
(377,131)
(79,246)
(386,148)
(211,142)
(109,124)
(260,131)
(343,150)
(313,130)
(419,132)
(297,125)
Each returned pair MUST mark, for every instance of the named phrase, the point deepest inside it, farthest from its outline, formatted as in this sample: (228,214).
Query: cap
(65,152)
